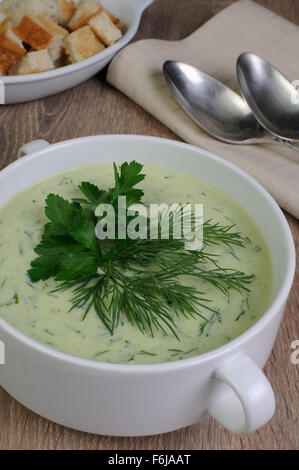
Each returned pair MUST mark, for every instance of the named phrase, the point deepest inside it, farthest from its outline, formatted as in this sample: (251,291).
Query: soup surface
(45,317)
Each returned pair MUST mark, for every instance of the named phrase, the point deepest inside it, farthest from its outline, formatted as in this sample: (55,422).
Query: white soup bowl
(134,400)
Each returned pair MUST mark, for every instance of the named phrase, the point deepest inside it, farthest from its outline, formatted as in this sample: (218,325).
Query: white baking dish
(20,88)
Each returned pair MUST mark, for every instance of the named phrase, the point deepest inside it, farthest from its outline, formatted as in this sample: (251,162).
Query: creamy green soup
(45,317)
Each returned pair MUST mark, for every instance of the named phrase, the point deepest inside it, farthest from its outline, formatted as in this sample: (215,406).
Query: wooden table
(96,108)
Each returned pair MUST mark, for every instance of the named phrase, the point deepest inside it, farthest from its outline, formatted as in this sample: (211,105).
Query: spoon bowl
(270,96)
(216,108)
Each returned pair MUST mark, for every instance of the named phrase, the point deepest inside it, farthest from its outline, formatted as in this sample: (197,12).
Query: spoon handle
(288,143)
(269,139)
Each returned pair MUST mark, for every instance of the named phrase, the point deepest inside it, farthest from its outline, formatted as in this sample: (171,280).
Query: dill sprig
(145,280)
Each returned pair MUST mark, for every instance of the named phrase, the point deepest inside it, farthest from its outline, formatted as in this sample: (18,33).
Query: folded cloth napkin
(214,48)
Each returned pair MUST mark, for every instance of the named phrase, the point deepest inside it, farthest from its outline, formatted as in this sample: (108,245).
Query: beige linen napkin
(214,48)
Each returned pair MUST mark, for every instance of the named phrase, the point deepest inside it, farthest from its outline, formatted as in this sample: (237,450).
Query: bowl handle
(250,401)
(32,147)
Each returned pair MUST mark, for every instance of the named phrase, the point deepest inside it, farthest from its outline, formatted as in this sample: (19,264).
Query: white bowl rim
(162,367)
(67,69)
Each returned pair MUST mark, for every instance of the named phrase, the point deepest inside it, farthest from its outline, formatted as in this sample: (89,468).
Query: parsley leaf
(60,211)
(56,246)
(93,194)
(54,230)
(85,235)
(76,265)
(43,268)
(125,180)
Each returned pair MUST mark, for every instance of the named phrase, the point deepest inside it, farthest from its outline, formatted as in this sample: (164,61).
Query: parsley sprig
(141,279)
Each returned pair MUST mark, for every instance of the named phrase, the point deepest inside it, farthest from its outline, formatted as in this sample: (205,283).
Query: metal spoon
(270,95)
(213,106)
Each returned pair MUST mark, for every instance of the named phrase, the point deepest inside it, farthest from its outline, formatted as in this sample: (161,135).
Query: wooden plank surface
(96,108)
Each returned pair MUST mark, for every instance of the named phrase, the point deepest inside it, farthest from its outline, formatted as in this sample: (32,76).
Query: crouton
(31,32)
(33,7)
(121,25)
(17,11)
(7,60)
(85,9)
(4,25)
(118,23)
(33,62)
(40,7)
(58,34)
(8,40)
(2,17)
(42,32)
(104,28)
(65,10)
(82,44)
(5,6)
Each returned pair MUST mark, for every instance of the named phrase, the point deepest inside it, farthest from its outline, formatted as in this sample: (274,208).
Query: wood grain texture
(96,108)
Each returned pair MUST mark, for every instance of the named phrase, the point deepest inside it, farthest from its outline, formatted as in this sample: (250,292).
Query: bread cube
(82,44)
(5,6)
(58,34)
(8,40)
(30,31)
(118,23)
(85,9)
(65,10)
(17,11)
(33,62)
(42,32)
(104,28)
(33,8)
(2,17)
(121,25)
(7,60)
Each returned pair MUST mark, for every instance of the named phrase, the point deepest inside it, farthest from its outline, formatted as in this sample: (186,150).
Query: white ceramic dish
(129,400)
(17,89)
